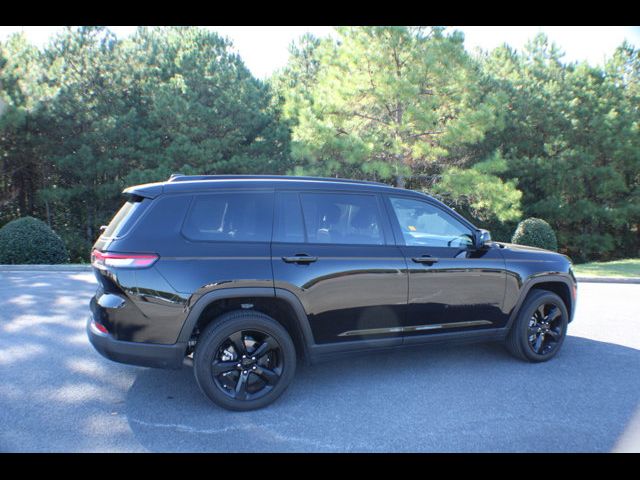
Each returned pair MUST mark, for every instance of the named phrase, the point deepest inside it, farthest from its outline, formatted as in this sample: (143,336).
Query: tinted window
(230,217)
(122,220)
(289,228)
(424,224)
(341,218)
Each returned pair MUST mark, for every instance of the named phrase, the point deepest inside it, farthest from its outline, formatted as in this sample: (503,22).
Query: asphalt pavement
(58,395)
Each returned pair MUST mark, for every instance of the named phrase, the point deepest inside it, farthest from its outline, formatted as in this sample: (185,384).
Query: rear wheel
(244,360)
(540,327)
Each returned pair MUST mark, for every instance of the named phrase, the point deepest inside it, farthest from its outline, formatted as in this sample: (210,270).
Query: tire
(238,383)
(545,313)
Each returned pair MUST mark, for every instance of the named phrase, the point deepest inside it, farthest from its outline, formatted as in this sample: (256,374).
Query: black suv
(243,276)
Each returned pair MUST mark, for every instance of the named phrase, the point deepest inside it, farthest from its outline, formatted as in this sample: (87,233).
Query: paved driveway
(58,394)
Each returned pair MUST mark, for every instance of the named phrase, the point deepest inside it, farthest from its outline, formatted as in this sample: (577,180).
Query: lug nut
(254,367)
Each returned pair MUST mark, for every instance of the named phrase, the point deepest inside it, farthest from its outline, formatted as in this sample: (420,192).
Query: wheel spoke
(555,335)
(267,344)
(540,312)
(553,314)
(538,344)
(228,382)
(241,387)
(218,367)
(238,343)
(267,375)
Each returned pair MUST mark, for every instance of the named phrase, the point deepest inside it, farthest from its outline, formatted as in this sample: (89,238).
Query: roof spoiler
(147,190)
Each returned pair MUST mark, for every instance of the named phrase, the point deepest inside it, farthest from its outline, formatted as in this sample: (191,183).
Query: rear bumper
(134,353)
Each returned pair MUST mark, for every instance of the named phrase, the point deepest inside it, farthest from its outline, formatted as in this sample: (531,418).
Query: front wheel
(540,327)
(244,360)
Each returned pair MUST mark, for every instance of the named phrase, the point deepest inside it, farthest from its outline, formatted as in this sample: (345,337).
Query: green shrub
(535,232)
(29,240)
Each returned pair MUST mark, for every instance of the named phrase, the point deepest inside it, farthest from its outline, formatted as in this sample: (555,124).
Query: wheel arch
(559,284)
(279,304)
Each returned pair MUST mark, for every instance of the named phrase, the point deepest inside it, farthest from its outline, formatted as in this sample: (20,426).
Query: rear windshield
(121,223)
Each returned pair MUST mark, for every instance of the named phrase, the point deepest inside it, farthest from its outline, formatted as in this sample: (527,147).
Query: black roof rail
(178,177)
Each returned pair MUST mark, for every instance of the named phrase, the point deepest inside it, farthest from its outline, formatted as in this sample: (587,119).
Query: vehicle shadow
(466,398)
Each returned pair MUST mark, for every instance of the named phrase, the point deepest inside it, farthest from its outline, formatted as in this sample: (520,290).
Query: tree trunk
(46,205)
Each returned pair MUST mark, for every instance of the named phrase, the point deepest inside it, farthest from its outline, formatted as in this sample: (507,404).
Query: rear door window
(337,218)
(230,217)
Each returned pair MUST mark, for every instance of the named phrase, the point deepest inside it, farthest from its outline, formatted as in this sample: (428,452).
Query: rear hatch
(122,222)
(112,305)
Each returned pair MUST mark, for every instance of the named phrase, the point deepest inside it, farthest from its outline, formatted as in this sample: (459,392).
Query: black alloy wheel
(248,364)
(545,328)
(540,328)
(244,360)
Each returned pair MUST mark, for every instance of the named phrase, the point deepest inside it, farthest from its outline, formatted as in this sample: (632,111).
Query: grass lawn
(629,267)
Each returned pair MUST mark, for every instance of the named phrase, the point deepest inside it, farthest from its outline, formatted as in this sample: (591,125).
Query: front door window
(423,224)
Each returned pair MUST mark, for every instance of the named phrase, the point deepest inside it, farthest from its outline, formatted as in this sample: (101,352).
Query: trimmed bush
(535,232)
(28,240)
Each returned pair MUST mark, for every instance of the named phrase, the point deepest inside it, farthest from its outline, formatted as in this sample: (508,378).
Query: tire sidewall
(523,324)
(222,328)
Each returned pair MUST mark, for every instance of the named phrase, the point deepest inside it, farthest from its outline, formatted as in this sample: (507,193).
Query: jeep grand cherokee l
(243,276)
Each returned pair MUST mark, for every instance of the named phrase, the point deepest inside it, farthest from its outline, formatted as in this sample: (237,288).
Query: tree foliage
(572,143)
(28,240)
(383,102)
(499,135)
(481,191)
(22,92)
(104,114)
(535,232)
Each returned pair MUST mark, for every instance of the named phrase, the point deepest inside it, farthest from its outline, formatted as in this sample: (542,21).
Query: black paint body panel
(351,298)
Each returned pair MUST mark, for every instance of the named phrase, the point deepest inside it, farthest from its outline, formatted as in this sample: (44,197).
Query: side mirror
(483,238)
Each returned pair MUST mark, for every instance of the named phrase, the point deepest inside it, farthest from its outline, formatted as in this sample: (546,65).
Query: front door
(452,285)
(335,252)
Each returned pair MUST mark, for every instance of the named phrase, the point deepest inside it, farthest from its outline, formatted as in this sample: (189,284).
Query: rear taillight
(101,328)
(122,260)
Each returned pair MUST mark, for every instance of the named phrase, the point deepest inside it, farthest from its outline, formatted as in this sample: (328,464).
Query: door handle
(425,259)
(300,258)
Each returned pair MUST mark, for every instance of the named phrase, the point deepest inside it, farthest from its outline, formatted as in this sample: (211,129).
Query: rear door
(335,252)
